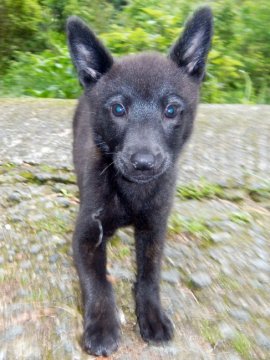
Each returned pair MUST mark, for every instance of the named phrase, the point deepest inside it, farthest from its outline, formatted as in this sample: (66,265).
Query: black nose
(142,160)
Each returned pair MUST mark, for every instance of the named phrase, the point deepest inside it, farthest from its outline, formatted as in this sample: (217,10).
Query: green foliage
(19,27)
(238,69)
(98,13)
(47,75)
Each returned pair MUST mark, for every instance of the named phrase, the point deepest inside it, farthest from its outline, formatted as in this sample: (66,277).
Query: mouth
(141,177)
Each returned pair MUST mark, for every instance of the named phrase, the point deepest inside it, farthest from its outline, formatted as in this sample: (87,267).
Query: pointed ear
(89,55)
(190,51)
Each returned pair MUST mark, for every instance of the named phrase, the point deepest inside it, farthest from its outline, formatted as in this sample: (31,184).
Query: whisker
(103,171)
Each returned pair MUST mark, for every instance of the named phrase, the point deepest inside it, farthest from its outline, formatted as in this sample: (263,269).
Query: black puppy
(130,125)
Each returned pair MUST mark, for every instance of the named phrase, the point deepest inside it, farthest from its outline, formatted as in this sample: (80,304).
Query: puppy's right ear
(89,55)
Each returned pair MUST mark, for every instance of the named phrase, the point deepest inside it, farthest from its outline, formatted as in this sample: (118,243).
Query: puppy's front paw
(102,337)
(154,324)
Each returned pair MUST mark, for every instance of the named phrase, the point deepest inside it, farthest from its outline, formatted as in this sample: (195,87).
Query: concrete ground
(216,269)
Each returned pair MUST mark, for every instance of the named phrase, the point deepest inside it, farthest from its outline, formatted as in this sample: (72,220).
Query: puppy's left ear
(190,51)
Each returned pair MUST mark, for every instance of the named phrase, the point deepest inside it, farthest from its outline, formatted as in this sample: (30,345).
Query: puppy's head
(142,106)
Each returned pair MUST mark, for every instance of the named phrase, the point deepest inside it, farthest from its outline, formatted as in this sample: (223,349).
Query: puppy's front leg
(153,322)
(101,325)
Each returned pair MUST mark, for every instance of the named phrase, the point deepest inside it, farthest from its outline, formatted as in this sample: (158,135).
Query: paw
(154,325)
(101,338)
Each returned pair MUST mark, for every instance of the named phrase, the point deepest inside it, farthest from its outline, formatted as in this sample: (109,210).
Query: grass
(207,190)
(54,225)
(55,176)
(115,241)
(201,190)
(240,217)
(192,226)
(260,193)
(124,252)
(242,345)
(210,332)
(47,168)
(239,343)
(229,283)
(33,173)
(30,177)
(6,167)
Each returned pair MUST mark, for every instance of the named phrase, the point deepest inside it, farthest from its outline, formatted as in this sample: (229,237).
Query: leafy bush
(238,68)
(48,75)
(19,28)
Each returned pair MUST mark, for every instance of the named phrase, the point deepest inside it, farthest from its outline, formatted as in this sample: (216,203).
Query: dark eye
(118,110)
(170,111)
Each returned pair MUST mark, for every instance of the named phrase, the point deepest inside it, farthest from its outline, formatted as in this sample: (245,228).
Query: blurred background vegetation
(34,60)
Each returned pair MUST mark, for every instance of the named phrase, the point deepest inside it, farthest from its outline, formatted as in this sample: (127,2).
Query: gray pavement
(216,268)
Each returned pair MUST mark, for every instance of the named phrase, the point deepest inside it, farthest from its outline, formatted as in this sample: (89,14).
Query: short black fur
(129,128)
